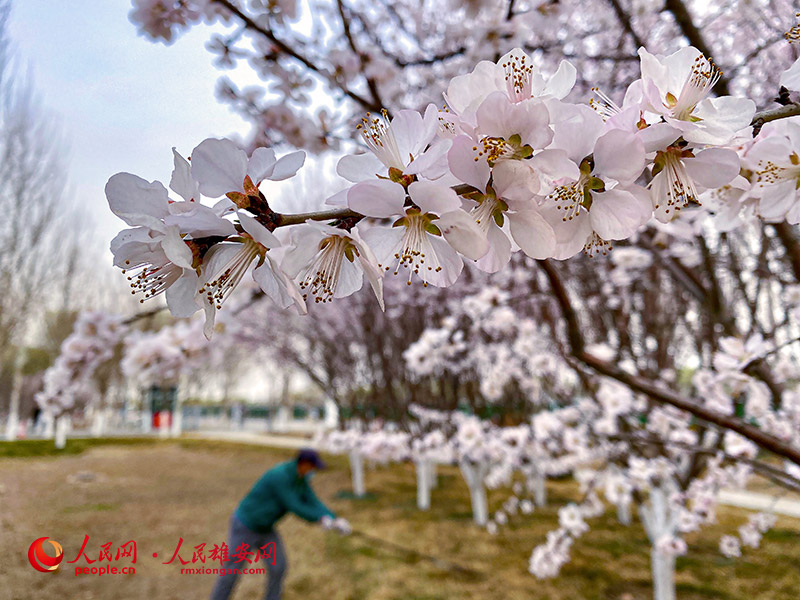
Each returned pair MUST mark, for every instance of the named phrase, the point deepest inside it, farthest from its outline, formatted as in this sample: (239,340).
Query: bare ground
(156,494)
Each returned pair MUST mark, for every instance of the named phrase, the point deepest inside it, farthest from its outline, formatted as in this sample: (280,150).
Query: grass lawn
(157,492)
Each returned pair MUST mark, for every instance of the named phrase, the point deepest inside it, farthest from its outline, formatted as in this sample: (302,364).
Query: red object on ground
(162,419)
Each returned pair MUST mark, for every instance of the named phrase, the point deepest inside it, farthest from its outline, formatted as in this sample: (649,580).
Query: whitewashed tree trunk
(536,483)
(282,419)
(98,424)
(62,427)
(48,425)
(98,417)
(177,415)
(147,421)
(433,477)
(357,473)
(474,474)
(624,510)
(660,520)
(12,425)
(423,468)
(663,567)
(331,420)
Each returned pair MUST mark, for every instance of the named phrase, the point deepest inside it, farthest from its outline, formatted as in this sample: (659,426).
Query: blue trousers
(239,534)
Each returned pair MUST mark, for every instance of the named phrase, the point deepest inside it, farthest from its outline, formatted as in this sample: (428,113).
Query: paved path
(248,437)
(760,502)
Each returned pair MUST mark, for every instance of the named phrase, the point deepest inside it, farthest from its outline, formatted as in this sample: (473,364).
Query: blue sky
(122,100)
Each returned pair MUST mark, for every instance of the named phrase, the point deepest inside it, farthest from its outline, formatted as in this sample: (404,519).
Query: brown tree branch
(291,52)
(650,388)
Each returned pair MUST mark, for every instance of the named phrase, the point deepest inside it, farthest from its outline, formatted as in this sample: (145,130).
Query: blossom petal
(182,182)
(499,251)
(275,284)
(350,279)
(136,201)
(571,235)
(619,155)
(338,199)
(562,81)
(720,120)
(198,220)
(463,165)
(261,164)
(617,214)
(360,167)
(305,245)
(714,167)
(176,249)
(790,78)
(776,201)
(658,136)
(450,262)
(431,164)
(410,134)
(532,233)
(515,180)
(463,234)
(369,264)
(466,92)
(219,166)
(384,242)
(181,296)
(433,198)
(287,166)
(576,127)
(377,198)
(260,233)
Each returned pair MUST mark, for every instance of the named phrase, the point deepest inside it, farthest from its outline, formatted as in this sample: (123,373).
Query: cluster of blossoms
(482,335)
(378,444)
(69,381)
(508,165)
(631,451)
(160,19)
(163,356)
(750,534)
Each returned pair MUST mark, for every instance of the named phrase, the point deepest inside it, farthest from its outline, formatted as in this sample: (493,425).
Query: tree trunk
(423,468)
(663,567)
(176,427)
(474,475)
(98,417)
(61,426)
(357,472)
(331,420)
(659,521)
(48,425)
(536,484)
(624,510)
(433,478)
(12,425)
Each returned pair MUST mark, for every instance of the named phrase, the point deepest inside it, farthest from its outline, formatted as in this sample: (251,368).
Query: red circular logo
(41,561)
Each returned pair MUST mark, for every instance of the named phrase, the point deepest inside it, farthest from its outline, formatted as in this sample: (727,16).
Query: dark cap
(312,457)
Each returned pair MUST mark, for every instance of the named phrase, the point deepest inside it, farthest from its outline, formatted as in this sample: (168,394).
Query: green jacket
(280,490)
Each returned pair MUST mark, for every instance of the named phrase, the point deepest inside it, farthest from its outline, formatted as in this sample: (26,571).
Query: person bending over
(282,489)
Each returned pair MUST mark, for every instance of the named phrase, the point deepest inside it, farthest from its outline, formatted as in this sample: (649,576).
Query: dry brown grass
(157,494)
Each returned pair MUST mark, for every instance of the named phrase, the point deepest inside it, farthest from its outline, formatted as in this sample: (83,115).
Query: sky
(122,101)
